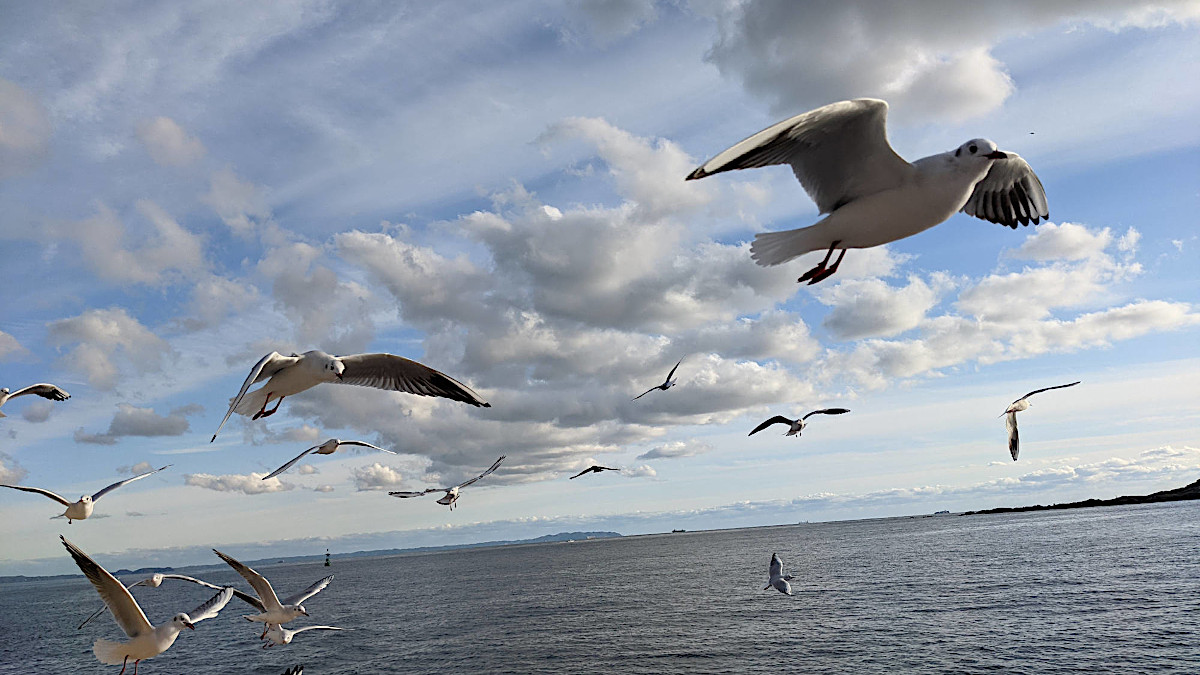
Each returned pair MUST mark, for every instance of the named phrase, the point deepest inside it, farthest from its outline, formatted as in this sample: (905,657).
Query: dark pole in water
(327,557)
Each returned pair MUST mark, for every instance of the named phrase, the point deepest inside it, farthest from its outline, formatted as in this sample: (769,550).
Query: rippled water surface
(1092,590)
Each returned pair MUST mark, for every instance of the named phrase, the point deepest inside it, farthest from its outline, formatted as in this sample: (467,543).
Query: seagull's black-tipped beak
(340,377)
(189,625)
(996,154)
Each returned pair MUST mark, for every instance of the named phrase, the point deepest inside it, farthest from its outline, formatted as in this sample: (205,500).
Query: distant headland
(1184,493)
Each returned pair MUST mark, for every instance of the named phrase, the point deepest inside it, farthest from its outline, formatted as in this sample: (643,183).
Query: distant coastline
(1184,493)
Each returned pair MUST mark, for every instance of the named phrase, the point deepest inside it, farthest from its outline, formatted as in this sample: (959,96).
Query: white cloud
(24,130)
(10,348)
(214,298)
(676,449)
(11,472)
(132,421)
(252,484)
(167,142)
(640,471)
(306,470)
(107,342)
(240,204)
(139,468)
(872,308)
(377,477)
(37,412)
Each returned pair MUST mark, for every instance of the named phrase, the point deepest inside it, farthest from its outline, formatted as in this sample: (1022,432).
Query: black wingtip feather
(698,173)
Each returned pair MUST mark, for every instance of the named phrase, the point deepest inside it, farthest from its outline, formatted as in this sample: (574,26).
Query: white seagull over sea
(145,641)
(155,580)
(44,390)
(1014,446)
(288,375)
(271,609)
(796,425)
(667,383)
(327,448)
(451,495)
(278,635)
(778,580)
(81,509)
(841,156)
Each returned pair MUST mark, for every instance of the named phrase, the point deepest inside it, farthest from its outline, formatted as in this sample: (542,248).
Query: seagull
(451,495)
(288,375)
(155,580)
(294,670)
(593,469)
(145,641)
(271,609)
(842,158)
(82,509)
(327,448)
(278,635)
(797,425)
(1016,407)
(44,390)
(667,384)
(778,580)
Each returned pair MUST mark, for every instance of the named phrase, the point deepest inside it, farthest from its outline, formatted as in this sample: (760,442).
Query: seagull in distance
(278,635)
(451,495)
(82,509)
(667,384)
(44,390)
(288,375)
(1014,446)
(778,580)
(841,156)
(796,425)
(145,640)
(327,448)
(272,610)
(593,469)
(155,580)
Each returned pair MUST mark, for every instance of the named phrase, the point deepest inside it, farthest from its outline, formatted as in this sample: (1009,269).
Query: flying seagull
(155,580)
(796,425)
(294,670)
(451,495)
(778,580)
(593,469)
(44,390)
(278,635)
(81,509)
(271,609)
(288,375)
(841,156)
(145,641)
(1017,406)
(327,448)
(667,384)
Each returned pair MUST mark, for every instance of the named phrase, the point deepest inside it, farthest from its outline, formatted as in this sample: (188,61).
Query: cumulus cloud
(873,308)
(252,484)
(377,477)
(167,142)
(37,412)
(10,348)
(139,468)
(132,421)
(24,130)
(640,471)
(107,341)
(676,449)
(11,472)
(306,470)
(323,488)
(214,298)
(240,204)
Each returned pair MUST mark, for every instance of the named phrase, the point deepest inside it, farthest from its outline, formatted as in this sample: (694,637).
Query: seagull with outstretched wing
(451,495)
(667,383)
(797,425)
(47,391)
(278,635)
(593,469)
(1010,421)
(327,448)
(777,577)
(83,508)
(155,580)
(272,610)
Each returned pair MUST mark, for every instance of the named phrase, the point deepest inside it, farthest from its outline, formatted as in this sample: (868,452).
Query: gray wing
(119,483)
(776,565)
(1014,446)
(124,608)
(210,608)
(367,445)
(1038,391)
(495,465)
(287,466)
(827,411)
(396,373)
(422,493)
(44,390)
(257,581)
(308,592)
(40,491)
(778,419)
(266,367)
(240,595)
(839,152)
(1010,194)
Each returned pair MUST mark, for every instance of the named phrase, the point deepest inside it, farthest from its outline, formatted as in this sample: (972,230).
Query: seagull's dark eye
(972,149)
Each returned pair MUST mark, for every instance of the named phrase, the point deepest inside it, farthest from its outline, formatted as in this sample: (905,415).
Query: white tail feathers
(252,402)
(108,652)
(774,248)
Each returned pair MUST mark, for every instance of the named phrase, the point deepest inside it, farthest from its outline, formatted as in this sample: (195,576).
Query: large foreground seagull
(841,155)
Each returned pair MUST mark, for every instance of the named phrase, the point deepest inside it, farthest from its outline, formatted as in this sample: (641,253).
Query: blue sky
(497,190)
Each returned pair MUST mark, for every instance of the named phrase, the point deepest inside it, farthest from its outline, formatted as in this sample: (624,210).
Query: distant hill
(1184,493)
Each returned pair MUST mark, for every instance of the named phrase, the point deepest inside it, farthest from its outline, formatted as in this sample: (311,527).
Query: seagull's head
(183,621)
(85,499)
(336,367)
(5,391)
(300,610)
(978,149)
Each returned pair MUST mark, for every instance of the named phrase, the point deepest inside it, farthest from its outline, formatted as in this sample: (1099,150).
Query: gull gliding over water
(288,375)
(327,448)
(145,640)
(155,580)
(44,390)
(81,509)
(451,495)
(841,156)
(667,383)
(278,635)
(796,425)
(271,609)
(778,580)
(1017,406)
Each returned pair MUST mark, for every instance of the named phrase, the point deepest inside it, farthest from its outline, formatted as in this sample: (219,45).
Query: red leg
(828,272)
(135,665)
(123,664)
(272,411)
(262,411)
(819,269)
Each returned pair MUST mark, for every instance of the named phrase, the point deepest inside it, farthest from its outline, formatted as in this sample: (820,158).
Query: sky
(496,190)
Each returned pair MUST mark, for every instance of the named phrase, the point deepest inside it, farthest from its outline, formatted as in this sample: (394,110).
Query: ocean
(1101,590)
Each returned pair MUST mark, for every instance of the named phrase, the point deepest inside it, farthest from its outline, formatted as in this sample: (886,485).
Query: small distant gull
(327,448)
(451,495)
(155,580)
(796,425)
(667,384)
(271,609)
(44,390)
(278,635)
(288,375)
(1014,446)
(145,641)
(593,469)
(81,509)
(841,156)
(778,580)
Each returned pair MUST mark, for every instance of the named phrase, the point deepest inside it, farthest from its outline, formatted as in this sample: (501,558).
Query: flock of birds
(842,158)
